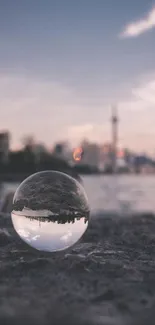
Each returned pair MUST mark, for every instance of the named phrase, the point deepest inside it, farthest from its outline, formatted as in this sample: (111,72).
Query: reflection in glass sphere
(50,211)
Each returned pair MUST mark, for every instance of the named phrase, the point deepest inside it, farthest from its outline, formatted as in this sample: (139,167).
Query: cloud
(82,130)
(94,132)
(50,110)
(146,93)
(137,117)
(35,237)
(139,27)
(39,107)
(67,236)
(24,234)
(141,96)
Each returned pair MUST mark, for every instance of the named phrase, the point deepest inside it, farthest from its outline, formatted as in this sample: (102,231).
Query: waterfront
(123,194)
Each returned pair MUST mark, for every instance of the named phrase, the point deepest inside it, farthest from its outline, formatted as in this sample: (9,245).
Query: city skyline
(63,65)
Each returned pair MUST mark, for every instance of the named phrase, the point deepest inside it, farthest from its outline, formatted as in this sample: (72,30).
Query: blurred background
(69,69)
(77,84)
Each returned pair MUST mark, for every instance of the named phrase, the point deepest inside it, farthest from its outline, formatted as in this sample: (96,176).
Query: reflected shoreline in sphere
(59,218)
(42,232)
(50,211)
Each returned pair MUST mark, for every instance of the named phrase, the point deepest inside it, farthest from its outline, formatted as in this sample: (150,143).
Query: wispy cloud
(137,117)
(39,107)
(82,130)
(95,132)
(146,93)
(139,27)
(141,97)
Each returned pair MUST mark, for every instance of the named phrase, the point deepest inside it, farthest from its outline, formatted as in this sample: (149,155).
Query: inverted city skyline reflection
(45,234)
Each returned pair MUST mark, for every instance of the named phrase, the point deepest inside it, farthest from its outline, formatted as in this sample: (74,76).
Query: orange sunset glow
(77,154)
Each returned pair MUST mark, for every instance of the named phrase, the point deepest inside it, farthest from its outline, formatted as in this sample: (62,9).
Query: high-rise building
(106,157)
(91,154)
(4,147)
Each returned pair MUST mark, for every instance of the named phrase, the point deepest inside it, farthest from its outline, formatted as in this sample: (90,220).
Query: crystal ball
(50,211)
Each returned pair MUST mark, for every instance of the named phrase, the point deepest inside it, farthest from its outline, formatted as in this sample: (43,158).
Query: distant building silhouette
(61,219)
(91,154)
(62,150)
(4,147)
(106,155)
(39,151)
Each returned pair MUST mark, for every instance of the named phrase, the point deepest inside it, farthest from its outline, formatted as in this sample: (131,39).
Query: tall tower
(114,123)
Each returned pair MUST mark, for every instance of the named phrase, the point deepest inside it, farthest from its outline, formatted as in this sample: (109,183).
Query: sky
(64,64)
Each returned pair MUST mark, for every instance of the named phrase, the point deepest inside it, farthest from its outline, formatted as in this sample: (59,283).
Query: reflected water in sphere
(50,211)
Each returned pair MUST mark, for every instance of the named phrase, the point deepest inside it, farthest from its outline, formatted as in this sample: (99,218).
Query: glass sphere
(50,211)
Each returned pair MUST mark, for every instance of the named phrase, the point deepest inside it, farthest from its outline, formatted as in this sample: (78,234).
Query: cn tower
(114,123)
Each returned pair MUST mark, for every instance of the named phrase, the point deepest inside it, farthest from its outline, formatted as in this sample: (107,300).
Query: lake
(123,194)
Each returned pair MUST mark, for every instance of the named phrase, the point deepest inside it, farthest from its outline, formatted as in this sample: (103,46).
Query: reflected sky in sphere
(50,211)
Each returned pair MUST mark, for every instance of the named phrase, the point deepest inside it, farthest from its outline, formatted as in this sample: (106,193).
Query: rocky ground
(107,278)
